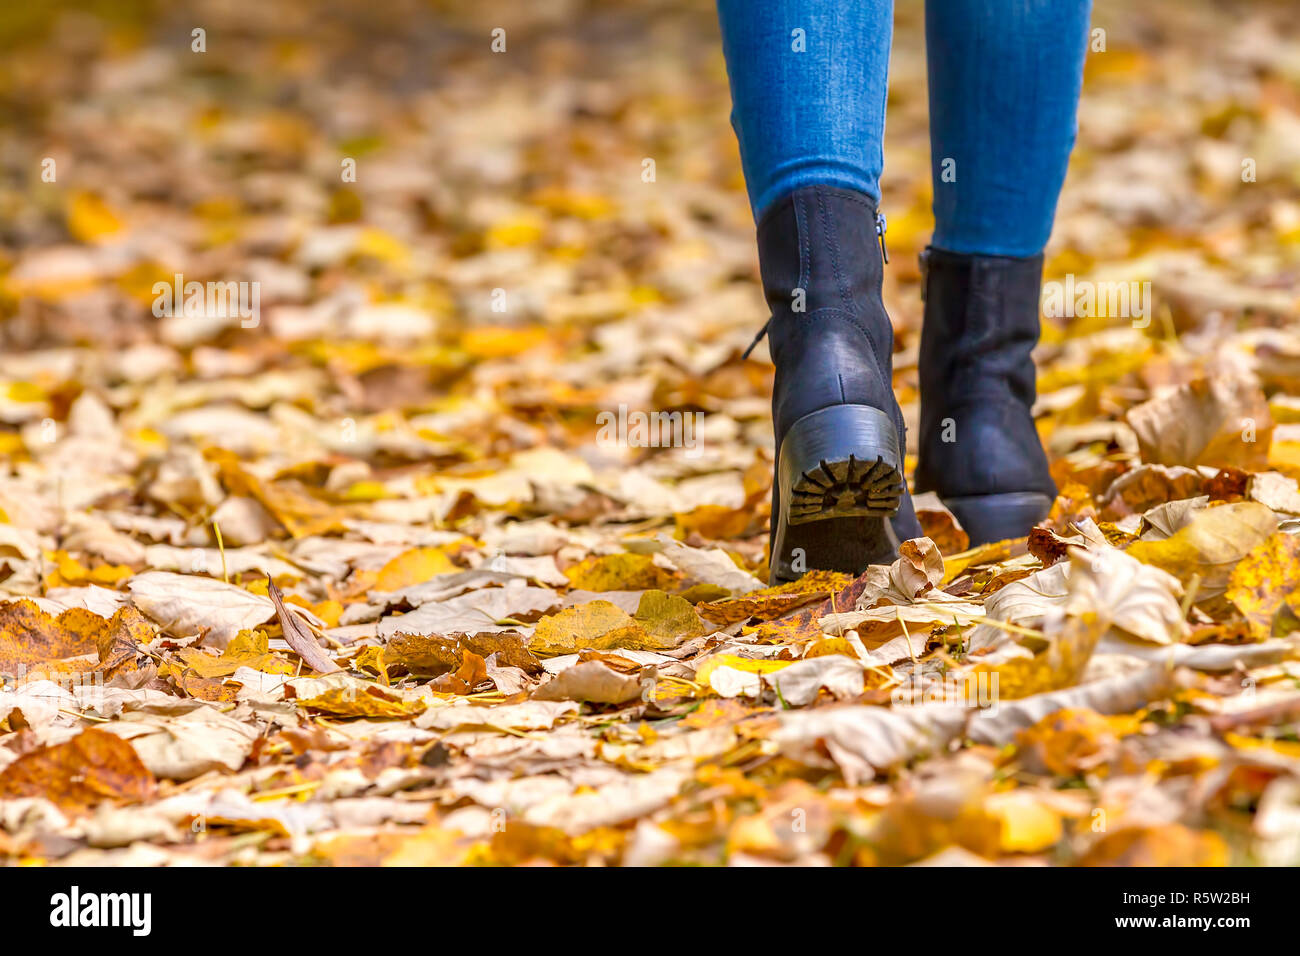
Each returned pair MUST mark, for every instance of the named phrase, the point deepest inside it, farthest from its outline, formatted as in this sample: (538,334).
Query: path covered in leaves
(385,569)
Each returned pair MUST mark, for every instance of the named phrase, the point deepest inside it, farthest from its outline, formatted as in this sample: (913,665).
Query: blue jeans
(808,86)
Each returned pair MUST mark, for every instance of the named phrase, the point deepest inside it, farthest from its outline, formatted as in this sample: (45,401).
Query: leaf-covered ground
(364,581)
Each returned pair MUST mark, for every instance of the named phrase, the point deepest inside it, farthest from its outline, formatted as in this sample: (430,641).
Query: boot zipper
(881,225)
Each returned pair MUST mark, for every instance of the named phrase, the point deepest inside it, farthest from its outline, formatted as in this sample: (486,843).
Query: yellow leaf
(1068,742)
(525,229)
(11,444)
(69,572)
(1028,825)
(246,649)
(668,618)
(1266,580)
(413,567)
(619,572)
(327,611)
(1211,545)
(597,624)
(290,504)
(432,845)
(567,202)
(367,491)
(490,342)
(91,218)
(370,701)
(747,665)
(377,244)
(777,601)
(371,659)
(1289,749)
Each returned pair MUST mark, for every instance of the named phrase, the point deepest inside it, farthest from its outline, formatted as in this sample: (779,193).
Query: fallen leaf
(1068,742)
(939,523)
(799,684)
(246,649)
(530,715)
(863,741)
(1219,420)
(599,625)
(1164,846)
(77,774)
(591,681)
(1117,695)
(1210,546)
(1265,585)
(299,635)
(486,611)
(619,572)
(188,743)
(472,672)
(433,655)
(364,700)
(413,567)
(669,619)
(767,603)
(186,605)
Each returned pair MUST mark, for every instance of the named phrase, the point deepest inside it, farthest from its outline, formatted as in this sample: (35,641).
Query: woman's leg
(808,83)
(1005,77)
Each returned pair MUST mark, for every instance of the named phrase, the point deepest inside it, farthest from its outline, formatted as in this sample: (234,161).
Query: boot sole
(841,479)
(987,518)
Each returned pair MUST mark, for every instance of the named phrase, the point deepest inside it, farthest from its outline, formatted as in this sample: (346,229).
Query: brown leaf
(299,635)
(80,773)
(430,655)
(1146,486)
(1046,546)
(593,681)
(1220,420)
(1162,845)
(1229,484)
(940,524)
(470,674)
(772,602)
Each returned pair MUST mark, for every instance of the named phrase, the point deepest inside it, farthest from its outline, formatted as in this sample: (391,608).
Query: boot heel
(840,462)
(988,518)
(840,480)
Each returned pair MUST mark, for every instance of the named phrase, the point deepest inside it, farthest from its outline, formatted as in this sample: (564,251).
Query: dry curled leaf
(592,681)
(1221,420)
(299,635)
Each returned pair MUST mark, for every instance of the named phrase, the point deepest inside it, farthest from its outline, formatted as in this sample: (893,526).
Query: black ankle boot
(979,449)
(839,432)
